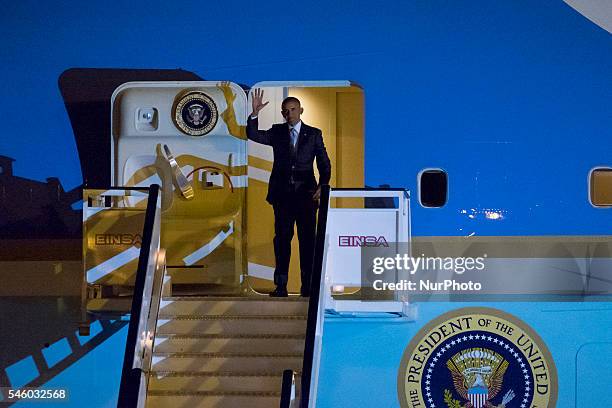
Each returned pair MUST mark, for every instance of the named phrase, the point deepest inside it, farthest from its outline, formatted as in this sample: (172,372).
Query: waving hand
(258,103)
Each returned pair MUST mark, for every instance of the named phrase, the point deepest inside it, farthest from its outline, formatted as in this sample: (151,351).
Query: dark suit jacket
(290,166)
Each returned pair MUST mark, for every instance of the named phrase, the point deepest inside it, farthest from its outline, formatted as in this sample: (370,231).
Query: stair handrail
(316,307)
(288,389)
(145,306)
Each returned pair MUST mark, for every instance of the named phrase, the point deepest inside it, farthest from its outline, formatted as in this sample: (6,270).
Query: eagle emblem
(478,375)
(477,357)
(195,113)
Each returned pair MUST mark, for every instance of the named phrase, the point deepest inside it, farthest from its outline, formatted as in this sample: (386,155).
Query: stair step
(225,351)
(164,381)
(226,363)
(231,326)
(233,306)
(182,344)
(207,400)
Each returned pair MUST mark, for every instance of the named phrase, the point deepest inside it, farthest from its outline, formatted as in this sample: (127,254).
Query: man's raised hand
(258,103)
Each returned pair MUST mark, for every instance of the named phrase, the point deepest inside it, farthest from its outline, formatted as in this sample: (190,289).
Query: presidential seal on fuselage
(195,113)
(477,358)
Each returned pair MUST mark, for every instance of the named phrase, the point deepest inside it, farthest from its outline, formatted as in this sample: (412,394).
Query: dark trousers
(300,209)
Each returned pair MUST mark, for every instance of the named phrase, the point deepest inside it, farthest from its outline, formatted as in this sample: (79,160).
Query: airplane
(493,118)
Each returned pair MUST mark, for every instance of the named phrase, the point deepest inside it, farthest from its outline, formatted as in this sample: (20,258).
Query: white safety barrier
(348,230)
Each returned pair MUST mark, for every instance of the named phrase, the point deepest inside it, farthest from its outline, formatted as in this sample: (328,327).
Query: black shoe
(279,292)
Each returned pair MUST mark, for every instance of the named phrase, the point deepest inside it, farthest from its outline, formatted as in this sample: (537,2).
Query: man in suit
(293,190)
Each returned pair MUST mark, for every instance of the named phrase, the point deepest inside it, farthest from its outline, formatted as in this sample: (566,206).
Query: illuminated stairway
(225,352)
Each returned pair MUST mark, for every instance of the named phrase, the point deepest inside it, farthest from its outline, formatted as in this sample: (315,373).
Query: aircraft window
(600,187)
(433,188)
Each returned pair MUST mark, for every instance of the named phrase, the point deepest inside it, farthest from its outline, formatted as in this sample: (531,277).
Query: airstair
(250,351)
(207,351)
(225,352)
